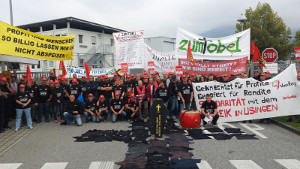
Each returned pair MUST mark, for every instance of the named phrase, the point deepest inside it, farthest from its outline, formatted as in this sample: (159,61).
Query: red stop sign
(270,55)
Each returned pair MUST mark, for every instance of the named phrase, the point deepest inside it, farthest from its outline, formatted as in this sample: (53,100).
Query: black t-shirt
(129,86)
(75,90)
(99,91)
(33,92)
(5,89)
(102,105)
(92,106)
(83,87)
(23,97)
(132,104)
(209,107)
(117,104)
(119,89)
(173,87)
(186,90)
(52,78)
(57,94)
(162,93)
(44,93)
(107,94)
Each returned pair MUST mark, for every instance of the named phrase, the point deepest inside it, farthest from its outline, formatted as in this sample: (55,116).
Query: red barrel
(190,119)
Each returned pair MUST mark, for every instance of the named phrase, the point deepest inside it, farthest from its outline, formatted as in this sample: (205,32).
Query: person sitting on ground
(132,107)
(117,107)
(209,108)
(73,110)
(91,109)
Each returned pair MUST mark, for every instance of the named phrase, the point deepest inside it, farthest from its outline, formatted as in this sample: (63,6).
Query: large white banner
(94,72)
(129,48)
(246,99)
(163,61)
(225,48)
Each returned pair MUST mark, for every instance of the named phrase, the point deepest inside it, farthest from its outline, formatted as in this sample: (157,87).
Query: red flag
(62,68)
(252,48)
(189,54)
(258,57)
(87,70)
(28,73)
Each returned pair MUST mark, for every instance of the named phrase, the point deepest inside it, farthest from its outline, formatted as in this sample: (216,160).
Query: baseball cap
(263,74)
(132,95)
(74,80)
(115,74)
(218,76)
(98,75)
(4,79)
(193,74)
(132,75)
(255,70)
(105,77)
(83,77)
(22,79)
(22,86)
(117,80)
(267,72)
(64,78)
(145,73)
(24,76)
(128,76)
(59,78)
(51,72)
(56,82)
(170,73)
(153,73)
(128,91)
(184,76)
(44,79)
(102,96)
(29,81)
(91,95)
(51,81)
(117,94)
(226,75)
(145,77)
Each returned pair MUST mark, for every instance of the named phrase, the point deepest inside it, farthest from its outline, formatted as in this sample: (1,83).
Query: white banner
(163,61)
(94,72)
(247,99)
(129,49)
(271,67)
(225,48)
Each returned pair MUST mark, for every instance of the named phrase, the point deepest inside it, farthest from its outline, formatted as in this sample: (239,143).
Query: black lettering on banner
(24,50)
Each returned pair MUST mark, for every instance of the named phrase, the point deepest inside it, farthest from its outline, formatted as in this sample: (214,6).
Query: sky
(155,17)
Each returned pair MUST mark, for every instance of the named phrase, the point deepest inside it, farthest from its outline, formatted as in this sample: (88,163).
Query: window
(111,42)
(80,37)
(32,66)
(39,65)
(51,64)
(81,62)
(93,40)
(45,63)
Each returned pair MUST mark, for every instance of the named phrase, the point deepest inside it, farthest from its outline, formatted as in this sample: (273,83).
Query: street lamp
(290,37)
(242,19)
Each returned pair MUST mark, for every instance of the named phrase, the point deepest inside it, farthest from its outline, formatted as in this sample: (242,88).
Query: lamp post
(242,19)
(290,37)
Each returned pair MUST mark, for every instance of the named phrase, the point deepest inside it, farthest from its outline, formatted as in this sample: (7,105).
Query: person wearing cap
(99,84)
(33,92)
(186,94)
(52,76)
(218,78)
(268,75)
(8,101)
(91,87)
(256,75)
(173,100)
(106,88)
(22,81)
(83,87)
(137,79)
(13,84)
(169,79)
(132,108)
(153,75)
(129,84)
(73,110)
(74,89)
(91,109)
(58,100)
(127,95)
(3,96)
(75,77)
(60,80)
(163,92)
(150,91)
(141,93)
(146,80)
(194,78)
(102,108)
(113,80)
(118,88)
(44,98)
(117,108)
(226,78)
(51,83)
(23,100)
(268,120)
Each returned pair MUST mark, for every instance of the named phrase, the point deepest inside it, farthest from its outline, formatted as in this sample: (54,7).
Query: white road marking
(254,130)
(244,164)
(289,163)
(59,165)
(203,165)
(102,165)
(10,165)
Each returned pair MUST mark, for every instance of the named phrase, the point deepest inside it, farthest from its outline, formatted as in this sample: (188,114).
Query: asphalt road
(53,143)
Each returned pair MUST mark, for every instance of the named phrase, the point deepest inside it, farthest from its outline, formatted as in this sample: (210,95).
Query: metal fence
(36,75)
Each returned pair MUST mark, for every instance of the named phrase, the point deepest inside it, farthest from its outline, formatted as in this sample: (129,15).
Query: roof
(74,23)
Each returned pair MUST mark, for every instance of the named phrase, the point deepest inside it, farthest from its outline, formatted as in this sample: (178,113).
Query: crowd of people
(96,99)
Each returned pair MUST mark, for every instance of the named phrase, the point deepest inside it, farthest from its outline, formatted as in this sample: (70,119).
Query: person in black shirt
(117,107)
(73,110)
(74,89)
(128,84)
(162,92)
(185,92)
(91,110)
(33,92)
(173,101)
(118,88)
(256,75)
(83,87)
(58,98)
(102,108)
(209,108)
(23,100)
(132,107)
(106,87)
(44,97)
(2,108)
(8,101)
(52,76)
(91,87)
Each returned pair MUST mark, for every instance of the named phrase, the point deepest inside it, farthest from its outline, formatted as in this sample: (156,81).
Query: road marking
(203,165)
(10,165)
(254,130)
(60,165)
(289,163)
(102,165)
(245,164)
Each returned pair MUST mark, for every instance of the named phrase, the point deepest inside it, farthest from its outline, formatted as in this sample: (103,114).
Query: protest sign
(247,99)
(94,72)
(234,67)
(129,49)
(225,48)
(18,42)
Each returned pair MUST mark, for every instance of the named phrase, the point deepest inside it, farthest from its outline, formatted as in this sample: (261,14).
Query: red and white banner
(297,53)
(151,66)
(124,67)
(179,71)
(233,67)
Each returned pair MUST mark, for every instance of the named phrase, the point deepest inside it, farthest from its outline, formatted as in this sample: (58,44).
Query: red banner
(124,67)
(297,53)
(151,66)
(234,67)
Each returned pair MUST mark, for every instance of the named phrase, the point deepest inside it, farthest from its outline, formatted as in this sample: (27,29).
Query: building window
(93,40)
(81,61)
(51,64)
(39,65)
(45,63)
(32,66)
(112,42)
(80,37)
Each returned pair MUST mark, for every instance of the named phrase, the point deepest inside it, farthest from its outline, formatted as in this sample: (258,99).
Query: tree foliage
(296,42)
(268,30)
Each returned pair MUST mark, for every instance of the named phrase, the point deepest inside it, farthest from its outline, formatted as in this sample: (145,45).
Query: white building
(93,42)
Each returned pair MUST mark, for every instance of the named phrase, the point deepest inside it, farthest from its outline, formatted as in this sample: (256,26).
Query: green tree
(268,30)
(296,41)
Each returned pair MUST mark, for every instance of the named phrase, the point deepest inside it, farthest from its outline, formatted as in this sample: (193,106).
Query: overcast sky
(155,17)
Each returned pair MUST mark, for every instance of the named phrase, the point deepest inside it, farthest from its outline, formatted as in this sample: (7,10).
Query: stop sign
(270,55)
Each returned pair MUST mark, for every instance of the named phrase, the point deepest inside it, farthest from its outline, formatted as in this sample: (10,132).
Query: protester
(74,89)
(185,92)
(44,98)
(82,85)
(150,91)
(132,107)
(23,105)
(58,99)
(209,108)
(8,101)
(3,96)
(91,87)
(256,75)
(52,76)
(163,93)
(73,110)
(117,108)
(118,88)
(102,108)
(91,110)
(33,92)
(141,94)
(173,101)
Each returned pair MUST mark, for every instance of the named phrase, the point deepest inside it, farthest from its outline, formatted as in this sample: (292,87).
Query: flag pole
(71,68)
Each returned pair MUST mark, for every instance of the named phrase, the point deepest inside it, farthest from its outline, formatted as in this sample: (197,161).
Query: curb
(291,129)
